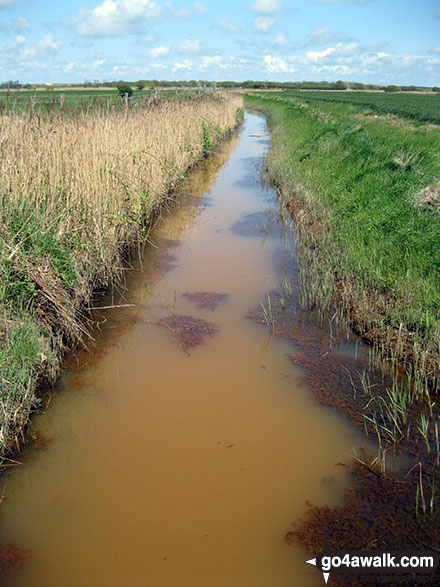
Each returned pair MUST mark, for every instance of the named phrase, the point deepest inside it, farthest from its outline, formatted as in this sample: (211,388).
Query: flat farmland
(420,107)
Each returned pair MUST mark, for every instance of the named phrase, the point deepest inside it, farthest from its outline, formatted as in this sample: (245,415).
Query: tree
(141,84)
(392,88)
(124,89)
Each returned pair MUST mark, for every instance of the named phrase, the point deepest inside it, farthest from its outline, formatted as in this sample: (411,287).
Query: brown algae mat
(12,558)
(206,300)
(343,382)
(190,332)
(380,513)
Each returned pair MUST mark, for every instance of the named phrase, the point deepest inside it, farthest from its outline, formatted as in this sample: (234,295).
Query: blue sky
(371,41)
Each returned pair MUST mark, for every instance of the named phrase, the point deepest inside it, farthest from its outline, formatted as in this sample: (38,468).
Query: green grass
(356,177)
(420,107)
(24,355)
(27,348)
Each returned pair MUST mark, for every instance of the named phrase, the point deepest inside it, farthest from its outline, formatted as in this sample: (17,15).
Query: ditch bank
(358,190)
(79,192)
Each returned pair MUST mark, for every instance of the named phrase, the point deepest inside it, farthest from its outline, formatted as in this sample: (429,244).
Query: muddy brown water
(161,464)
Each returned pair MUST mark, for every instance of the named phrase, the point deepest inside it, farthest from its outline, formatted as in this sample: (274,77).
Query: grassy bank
(365,193)
(78,189)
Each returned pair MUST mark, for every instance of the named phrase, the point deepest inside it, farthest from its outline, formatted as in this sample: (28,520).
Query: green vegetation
(365,192)
(421,107)
(141,84)
(125,90)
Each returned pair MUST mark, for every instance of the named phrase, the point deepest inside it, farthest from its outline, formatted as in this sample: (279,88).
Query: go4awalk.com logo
(369,562)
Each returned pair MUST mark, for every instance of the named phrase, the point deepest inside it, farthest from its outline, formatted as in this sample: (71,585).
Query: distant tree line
(259,85)
(249,84)
(11,84)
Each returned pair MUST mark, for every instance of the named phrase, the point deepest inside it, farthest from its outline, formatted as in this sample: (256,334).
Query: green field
(421,107)
(50,100)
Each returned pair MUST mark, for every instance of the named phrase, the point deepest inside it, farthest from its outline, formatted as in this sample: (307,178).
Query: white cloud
(353,61)
(436,49)
(339,50)
(265,5)
(322,36)
(226,25)
(185,64)
(98,62)
(22,24)
(147,39)
(208,61)
(372,59)
(6,3)
(281,39)
(189,46)
(17,25)
(277,65)
(263,23)
(44,47)
(115,17)
(196,9)
(19,39)
(317,55)
(156,52)
(199,8)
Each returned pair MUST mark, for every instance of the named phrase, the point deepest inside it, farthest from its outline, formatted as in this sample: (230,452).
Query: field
(77,190)
(420,107)
(73,99)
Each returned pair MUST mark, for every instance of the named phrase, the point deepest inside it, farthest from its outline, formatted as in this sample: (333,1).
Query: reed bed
(78,189)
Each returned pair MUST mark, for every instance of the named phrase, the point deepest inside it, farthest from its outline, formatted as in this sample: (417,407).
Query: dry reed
(105,168)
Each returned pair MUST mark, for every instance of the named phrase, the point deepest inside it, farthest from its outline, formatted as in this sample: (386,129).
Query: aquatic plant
(268,314)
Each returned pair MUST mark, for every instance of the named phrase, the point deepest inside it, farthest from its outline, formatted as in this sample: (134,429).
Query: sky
(369,41)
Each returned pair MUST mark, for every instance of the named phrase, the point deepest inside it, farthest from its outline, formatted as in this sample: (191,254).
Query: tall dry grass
(106,168)
(77,188)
